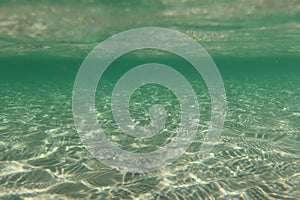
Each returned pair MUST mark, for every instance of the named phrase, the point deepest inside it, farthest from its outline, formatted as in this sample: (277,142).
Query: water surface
(255,45)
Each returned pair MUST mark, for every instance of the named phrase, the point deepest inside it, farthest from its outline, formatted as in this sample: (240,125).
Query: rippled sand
(255,44)
(257,157)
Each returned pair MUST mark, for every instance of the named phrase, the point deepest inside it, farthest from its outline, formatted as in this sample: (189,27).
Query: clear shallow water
(41,155)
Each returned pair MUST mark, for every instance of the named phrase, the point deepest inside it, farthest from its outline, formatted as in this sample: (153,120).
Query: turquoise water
(255,45)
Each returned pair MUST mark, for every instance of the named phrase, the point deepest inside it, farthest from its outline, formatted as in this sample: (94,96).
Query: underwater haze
(254,43)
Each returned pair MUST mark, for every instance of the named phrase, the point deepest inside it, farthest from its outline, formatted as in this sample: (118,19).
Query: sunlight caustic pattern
(99,59)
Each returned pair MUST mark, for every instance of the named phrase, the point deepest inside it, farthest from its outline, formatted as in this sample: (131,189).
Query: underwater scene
(228,128)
